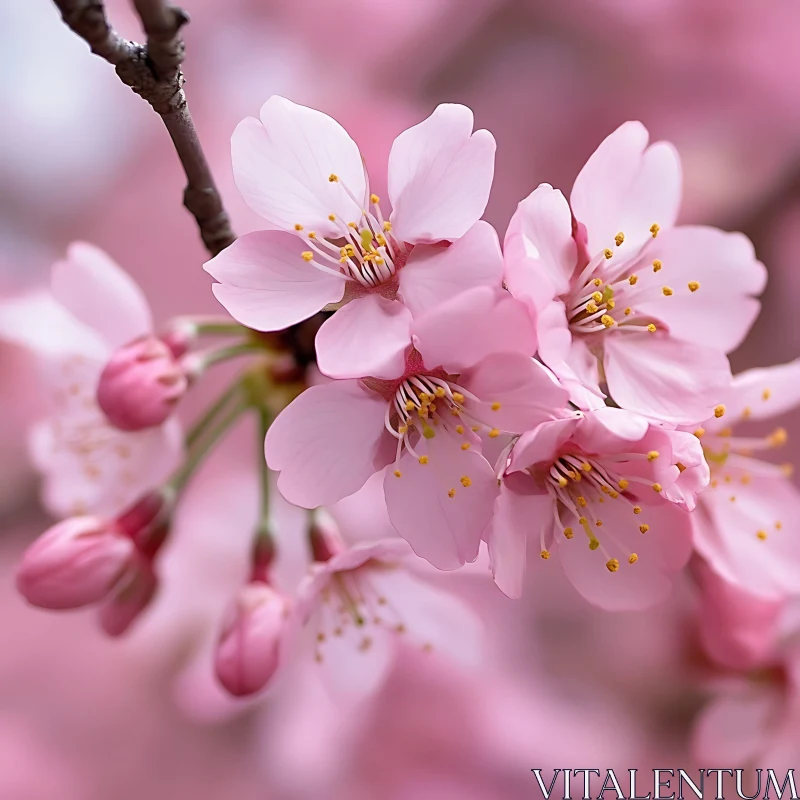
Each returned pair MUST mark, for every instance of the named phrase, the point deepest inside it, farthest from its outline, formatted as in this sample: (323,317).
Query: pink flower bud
(141,384)
(248,649)
(131,596)
(75,563)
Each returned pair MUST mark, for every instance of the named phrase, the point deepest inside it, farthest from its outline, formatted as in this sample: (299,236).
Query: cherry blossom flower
(743,526)
(625,298)
(332,243)
(466,373)
(590,490)
(89,466)
(359,606)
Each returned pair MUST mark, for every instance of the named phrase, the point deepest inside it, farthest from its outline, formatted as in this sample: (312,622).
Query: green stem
(265,420)
(214,326)
(227,353)
(205,444)
(199,428)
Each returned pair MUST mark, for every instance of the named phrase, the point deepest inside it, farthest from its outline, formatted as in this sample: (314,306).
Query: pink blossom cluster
(563,398)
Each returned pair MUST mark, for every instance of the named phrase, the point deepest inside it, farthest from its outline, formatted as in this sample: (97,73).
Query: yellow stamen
(439,392)
(545,554)
(298,227)
(423,459)
(766,394)
(607,321)
(637,509)
(591,308)
(451,493)
(623,484)
(608,253)
(700,432)
(465,446)
(496,406)
(612,565)
(628,311)
(459,429)
(633,280)
(657,265)
(458,397)
(651,328)
(374,199)
(693,286)
(387,226)
(597,297)
(562,481)
(494,433)
(597,282)
(398,474)
(307,255)
(333,178)
(582,502)
(568,533)
(332,217)
(652,455)
(633,558)
(666,291)
(657,487)
(466,481)
(654,229)
(762,535)
(619,238)
(778,437)
(644,528)
(719,411)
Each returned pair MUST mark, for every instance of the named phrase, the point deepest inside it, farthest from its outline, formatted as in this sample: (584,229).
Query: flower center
(366,251)
(609,290)
(352,609)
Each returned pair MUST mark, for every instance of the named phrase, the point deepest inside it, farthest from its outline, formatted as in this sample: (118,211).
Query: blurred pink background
(81,157)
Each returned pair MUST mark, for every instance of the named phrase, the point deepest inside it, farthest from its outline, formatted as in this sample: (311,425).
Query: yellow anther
(778,526)
(651,327)
(352,225)
(633,558)
(766,394)
(475,428)
(619,238)
(745,480)
(494,433)
(594,544)
(586,466)
(597,282)
(379,260)
(298,227)
(591,308)
(613,495)
(466,481)
(562,481)
(403,429)
(610,303)
(333,178)
(428,433)
(657,487)
(496,406)
(439,392)
(762,535)
(654,229)
(387,226)
(607,321)
(312,235)
(633,280)
(424,398)
(732,498)
(568,533)
(465,446)
(700,432)
(657,265)
(381,240)
(459,429)
(545,554)
(628,311)
(332,217)
(623,484)
(398,474)
(307,255)
(637,509)
(374,199)
(599,522)
(612,565)
(666,291)
(583,521)
(597,297)
(693,286)
(652,455)
(451,492)
(582,502)
(608,253)
(778,437)
(644,528)
(719,411)
(423,459)
(458,397)
(410,406)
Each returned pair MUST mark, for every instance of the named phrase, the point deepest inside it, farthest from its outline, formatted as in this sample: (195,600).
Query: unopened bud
(249,646)
(130,597)
(75,563)
(141,384)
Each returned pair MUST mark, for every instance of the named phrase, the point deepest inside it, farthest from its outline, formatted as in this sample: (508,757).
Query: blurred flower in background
(82,158)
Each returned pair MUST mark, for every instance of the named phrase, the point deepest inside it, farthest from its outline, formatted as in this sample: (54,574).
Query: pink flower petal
(435,274)
(471,326)
(325,443)
(542,443)
(440,175)
(662,552)
(665,378)
(445,530)
(101,295)
(282,164)
(264,282)
(723,265)
(515,392)
(516,518)
(761,394)
(608,430)
(730,543)
(367,337)
(626,187)
(540,252)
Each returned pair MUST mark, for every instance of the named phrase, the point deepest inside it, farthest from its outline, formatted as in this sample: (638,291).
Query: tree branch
(153,71)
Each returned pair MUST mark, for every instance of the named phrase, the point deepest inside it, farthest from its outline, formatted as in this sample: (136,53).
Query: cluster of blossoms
(566,397)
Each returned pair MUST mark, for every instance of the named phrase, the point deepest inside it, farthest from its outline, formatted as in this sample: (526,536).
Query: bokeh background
(81,157)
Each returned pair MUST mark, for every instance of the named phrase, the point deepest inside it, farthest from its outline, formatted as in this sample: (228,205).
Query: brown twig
(153,71)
